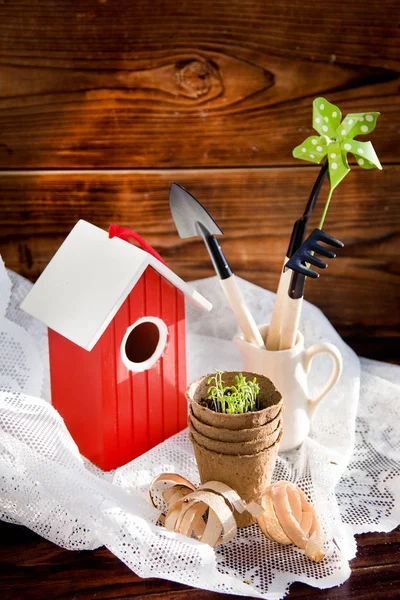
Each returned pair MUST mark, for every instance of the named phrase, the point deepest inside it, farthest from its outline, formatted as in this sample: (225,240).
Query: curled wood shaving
(290,518)
(233,498)
(168,478)
(207,513)
(269,523)
(221,524)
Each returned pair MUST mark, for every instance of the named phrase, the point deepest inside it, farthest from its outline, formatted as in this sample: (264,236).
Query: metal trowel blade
(188,213)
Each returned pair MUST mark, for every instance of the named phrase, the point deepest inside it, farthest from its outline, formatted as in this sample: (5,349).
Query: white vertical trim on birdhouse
(88,279)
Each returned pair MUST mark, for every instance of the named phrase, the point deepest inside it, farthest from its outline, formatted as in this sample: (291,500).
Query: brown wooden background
(103,103)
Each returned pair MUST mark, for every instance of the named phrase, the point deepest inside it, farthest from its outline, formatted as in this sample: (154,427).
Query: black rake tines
(305,253)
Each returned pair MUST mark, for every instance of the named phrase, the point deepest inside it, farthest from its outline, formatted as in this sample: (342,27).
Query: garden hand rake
(299,264)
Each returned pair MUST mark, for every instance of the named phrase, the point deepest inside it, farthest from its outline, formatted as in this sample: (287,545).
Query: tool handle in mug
(337,363)
(290,323)
(274,330)
(243,316)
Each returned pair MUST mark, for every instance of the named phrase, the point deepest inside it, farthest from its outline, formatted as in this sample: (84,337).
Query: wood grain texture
(256,208)
(190,83)
(35,569)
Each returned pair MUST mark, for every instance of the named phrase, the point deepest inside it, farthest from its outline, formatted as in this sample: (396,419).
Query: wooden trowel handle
(243,316)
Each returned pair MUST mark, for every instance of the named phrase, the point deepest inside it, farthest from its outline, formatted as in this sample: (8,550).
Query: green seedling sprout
(235,399)
(336,140)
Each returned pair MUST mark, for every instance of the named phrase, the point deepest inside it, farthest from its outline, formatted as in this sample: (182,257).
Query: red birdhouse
(116,320)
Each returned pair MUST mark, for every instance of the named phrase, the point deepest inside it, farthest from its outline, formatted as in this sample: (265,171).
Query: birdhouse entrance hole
(144,343)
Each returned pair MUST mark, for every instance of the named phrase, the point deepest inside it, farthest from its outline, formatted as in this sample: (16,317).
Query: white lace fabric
(348,467)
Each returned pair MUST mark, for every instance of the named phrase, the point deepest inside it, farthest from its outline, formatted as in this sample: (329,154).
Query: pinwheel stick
(324,212)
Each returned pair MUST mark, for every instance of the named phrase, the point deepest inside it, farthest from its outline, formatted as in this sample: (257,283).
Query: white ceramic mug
(288,369)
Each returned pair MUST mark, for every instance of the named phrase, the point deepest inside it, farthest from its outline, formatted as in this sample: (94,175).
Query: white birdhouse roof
(87,281)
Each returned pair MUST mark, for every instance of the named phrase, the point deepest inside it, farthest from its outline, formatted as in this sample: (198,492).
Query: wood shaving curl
(207,513)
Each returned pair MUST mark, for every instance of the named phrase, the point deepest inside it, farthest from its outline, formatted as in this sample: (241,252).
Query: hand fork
(305,255)
(299,263)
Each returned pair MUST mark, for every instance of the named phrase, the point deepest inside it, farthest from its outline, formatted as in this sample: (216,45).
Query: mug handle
(333,352)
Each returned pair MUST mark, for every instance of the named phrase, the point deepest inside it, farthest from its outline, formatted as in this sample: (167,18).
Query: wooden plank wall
(104,103)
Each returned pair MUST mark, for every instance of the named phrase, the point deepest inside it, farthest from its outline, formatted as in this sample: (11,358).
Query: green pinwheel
(336,140)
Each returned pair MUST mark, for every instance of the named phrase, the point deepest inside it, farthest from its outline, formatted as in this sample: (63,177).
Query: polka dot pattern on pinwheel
(365,155)
(359,124)
(312,149)
(338,165)
(337,139)
(326,117)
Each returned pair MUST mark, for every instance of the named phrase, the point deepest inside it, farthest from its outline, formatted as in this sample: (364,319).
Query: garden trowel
(193,220)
